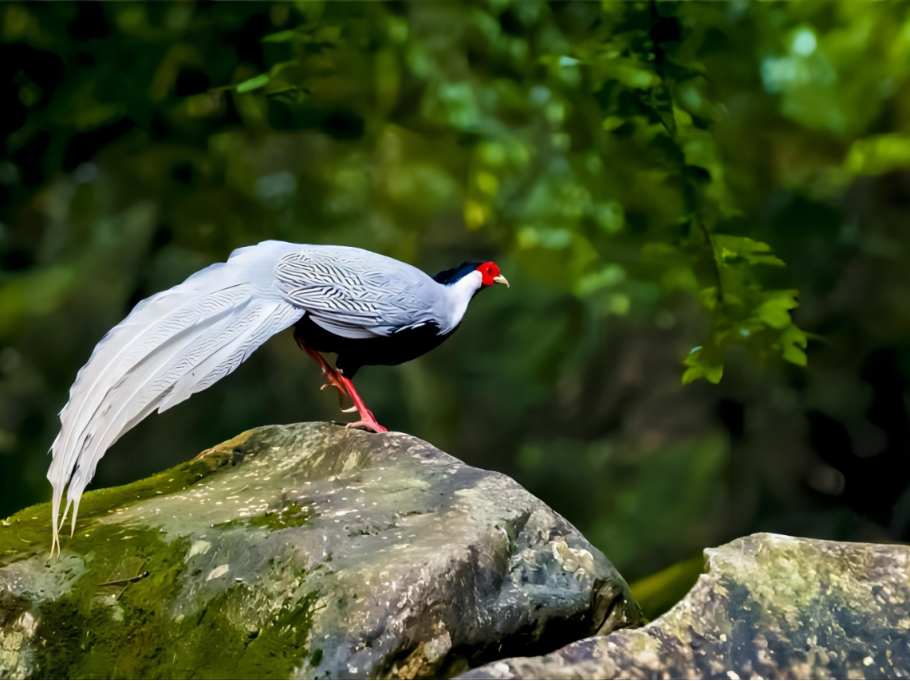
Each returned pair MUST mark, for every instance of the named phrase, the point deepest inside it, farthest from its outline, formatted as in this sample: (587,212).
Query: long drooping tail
(171,345)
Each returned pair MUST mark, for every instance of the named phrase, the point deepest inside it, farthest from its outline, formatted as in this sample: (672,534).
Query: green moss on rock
(29,530)
(134,635)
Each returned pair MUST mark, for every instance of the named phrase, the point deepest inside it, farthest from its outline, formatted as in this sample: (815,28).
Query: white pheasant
(367,308)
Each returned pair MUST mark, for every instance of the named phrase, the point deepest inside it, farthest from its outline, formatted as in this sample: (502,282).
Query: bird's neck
(455,299)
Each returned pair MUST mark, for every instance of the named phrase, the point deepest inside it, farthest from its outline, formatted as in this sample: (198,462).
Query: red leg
(345,387)
(367,420)
(332,377)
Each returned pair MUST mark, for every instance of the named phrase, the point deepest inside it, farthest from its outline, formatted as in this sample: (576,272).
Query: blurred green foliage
(663,184)
(659,592)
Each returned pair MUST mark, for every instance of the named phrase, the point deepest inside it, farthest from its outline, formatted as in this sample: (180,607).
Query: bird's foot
(367,422)
(370,425)
(334,380)
(332,377)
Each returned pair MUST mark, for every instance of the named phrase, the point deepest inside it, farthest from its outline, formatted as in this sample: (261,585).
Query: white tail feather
(171,346)
(138,393)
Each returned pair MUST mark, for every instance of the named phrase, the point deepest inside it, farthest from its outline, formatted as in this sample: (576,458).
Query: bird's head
(488,271)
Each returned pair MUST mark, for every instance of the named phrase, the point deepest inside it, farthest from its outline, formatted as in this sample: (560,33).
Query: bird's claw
(334,384)
(367,425)
(341,391)
(349,410)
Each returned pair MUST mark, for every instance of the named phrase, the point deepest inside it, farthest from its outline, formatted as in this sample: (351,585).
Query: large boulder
(301,551)
(769,607)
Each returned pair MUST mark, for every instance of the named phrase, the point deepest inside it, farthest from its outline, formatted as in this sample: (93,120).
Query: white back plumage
(183,340)
(360,294)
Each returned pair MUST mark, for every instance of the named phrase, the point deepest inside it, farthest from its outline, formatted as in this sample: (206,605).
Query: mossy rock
(301,551)
(769,606)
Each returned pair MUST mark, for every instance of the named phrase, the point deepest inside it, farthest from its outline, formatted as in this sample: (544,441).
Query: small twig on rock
(126,580)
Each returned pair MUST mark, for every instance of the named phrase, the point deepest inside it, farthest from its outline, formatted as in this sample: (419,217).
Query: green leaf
(281,36)
(632,73)
(703,363)
(253,83)
(775,311)
(753,252)
(794,343)
(708,297)
(879,154)
(713,375)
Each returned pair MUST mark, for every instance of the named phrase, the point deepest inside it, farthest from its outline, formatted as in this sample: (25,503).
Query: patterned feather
(358,294)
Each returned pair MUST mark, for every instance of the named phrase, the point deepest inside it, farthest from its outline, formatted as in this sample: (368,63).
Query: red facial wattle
(489,271)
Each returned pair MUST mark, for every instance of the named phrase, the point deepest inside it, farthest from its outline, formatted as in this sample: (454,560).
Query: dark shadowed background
(660,182)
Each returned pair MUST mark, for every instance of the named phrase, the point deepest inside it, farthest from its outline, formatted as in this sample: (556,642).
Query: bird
(367,308)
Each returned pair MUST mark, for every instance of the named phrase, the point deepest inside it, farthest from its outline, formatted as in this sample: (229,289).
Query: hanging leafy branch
(670,91)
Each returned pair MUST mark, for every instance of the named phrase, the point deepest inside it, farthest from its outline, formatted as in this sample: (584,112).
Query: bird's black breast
(353,353)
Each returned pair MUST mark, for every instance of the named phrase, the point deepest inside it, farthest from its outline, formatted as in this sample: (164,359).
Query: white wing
(356,293)
(171,345)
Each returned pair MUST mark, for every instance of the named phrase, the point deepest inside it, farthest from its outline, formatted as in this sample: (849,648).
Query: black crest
(449,277)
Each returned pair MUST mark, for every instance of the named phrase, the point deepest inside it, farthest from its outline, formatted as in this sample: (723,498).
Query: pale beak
(502,280)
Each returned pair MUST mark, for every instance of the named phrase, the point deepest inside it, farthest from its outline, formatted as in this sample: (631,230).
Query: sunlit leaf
(253,83)
(879,154)
(775,311)
(753,252)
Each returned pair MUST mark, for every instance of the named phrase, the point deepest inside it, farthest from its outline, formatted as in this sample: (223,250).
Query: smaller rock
(769,606)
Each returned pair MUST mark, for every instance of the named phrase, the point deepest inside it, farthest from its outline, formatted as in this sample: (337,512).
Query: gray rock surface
(769,607)
(301,551)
